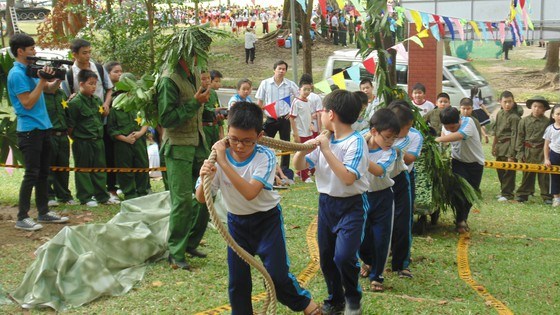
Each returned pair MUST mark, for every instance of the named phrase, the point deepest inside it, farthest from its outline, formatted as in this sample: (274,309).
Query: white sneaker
(71,202)
(53,203)
(309,180)
(92,203)
(119,192)
(112,201)
(556,202)
(502,199)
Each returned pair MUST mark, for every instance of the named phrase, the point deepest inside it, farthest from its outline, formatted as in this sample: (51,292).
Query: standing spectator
(264,19)
(301,121)
(130,150)
(278,90)
(529,146)
(250,40)
(60,149)
(86,129)
(552,152)
(503,147)
(419,99)
(215,84)
(351,29)
(244,88)
(81,51)
(334,28)
(180,105)
(33,133)
(480,111)
(343,31)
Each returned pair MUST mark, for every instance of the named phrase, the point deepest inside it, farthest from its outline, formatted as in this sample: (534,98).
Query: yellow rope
(465,275)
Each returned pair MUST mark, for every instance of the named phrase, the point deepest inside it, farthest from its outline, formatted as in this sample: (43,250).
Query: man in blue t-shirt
(33,132)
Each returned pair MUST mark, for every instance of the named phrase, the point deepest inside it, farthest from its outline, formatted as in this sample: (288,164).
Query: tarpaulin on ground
(4,297)
(82,263)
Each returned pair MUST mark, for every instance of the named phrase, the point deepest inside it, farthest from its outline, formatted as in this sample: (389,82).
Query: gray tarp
(82,263)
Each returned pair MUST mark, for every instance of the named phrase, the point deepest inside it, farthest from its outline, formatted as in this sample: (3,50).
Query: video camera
(35,68)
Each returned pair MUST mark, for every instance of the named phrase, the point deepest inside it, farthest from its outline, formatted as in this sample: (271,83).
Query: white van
(459,76)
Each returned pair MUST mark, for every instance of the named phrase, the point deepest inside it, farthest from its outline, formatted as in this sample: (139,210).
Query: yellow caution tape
(303,278)
(525,167)
(465,275)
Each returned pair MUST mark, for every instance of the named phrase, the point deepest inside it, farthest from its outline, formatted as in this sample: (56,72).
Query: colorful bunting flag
(425,19)
(401,50)
(449,26)
(10,161)
(435,31)
(287,100)
(417,40)
(417,19)
(369,64)
(302,3)
(423,34)
(490,29)
(354,73)
(459,28)
(341,3)
(338,79)
(323,5)
(439,23)
(476,30)
(502,31)
(323,86)
(522,3)
(271,110)
(483,28)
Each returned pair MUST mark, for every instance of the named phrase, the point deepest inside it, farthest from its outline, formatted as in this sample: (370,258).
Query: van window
(466,75)
(402,74)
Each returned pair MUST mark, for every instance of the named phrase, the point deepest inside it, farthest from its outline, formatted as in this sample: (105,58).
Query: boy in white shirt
(467,157)
(374,252)
(245,175)
(419,99)
(301,121)
(340,164)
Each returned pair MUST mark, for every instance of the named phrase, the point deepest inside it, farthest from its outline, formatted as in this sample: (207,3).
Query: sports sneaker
(502,199)
(92,203)
(71,202)
(28,224)
(112,201)
(52,217)
(53,203)
(309,180)
(556,202)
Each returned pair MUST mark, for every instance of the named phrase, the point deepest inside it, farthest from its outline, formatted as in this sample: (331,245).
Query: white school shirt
(270,92)
(415,147)
(99,88)
(302,111)
(552,134)
(386,159)
(264,17)
(362,123)
(352,151)
(316,106)
(250,40)
(261,166)
(425,107)
(400,145)
(468,150)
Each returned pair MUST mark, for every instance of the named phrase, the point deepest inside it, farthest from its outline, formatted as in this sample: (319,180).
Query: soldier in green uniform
(180,98)
(85,123)
(60,145)
(130,150)
(529,146)
(432,117)
(503,147)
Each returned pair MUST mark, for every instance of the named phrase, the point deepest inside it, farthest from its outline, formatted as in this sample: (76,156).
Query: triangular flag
(323,5)
(338,79)
(502,31)
(449,26)
(425,19)
(459,28)
(475,28)
(271,110)
(417,19)
(514,38)
(423,34)
(301,2)
(401,50)
(527,19)
(10,161)
(323,86)
(435,31)
(341,3)
(417,40)
(483,28)
(354,73)
(358,6)
(522,3)
(369,64)
(439,24)
(287,99)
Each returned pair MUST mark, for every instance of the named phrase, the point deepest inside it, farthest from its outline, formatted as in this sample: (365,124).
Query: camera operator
(33,132)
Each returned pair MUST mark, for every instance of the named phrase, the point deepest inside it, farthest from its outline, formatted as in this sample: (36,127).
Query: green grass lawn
(512,253)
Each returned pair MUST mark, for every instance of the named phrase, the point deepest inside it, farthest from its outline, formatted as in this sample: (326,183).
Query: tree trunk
(552,57)
(307,43)
(150,8)
(389,41)
(9,26)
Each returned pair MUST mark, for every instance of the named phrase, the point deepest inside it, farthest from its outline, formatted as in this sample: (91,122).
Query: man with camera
(33,131)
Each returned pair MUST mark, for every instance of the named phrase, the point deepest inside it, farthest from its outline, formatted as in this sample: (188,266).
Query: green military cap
(540,99)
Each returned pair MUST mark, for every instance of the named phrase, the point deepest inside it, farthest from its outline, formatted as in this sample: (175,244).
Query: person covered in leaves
(529,147)
(128,133)
(244,172)
(503,147)
(467,158)
(180,100)
(374,251)
(432,117)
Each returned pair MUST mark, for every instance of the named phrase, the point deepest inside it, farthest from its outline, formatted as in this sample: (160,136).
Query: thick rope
(269,306)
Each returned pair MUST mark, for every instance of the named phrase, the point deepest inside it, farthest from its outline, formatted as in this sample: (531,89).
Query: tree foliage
(65,21)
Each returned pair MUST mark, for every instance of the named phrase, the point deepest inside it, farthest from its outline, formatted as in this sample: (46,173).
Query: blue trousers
(379,227)
(262,234)
(412,178)
(554,178)
(340,232)
(472,173)
(402,234)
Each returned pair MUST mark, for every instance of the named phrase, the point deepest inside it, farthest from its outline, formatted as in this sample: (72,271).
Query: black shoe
(178,264)
(333,309)
(521,199)
(196,253)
